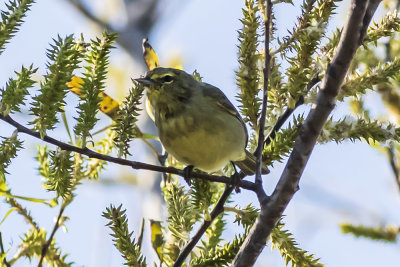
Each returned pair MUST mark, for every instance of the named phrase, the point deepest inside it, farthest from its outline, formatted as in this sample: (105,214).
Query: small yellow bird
(196,122)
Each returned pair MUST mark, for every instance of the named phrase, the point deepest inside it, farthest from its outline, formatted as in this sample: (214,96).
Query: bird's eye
(167,79)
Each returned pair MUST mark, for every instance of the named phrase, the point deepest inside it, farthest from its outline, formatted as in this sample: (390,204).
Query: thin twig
(391,149)
(22,211)
(141,232)
(86,12)
(3,251)
(139,24)
(288,184)
(260,146)
(289,111)
(218,209)
(393,164)
(134,164)
(46,246)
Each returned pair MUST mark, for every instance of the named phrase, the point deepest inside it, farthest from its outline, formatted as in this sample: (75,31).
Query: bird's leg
(235,178)
(188,173)
(162,158)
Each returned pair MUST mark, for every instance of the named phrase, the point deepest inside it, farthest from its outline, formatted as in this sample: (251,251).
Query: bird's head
(168,89)
(168,84)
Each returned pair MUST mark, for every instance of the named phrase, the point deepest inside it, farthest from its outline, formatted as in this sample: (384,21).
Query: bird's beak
(144,81)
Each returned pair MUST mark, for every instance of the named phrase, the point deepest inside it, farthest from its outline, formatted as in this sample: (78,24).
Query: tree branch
(46,246)
(88,14)
(218,209)
(134,164)
(393,165)
(5,262)
(260,146)
(272,210)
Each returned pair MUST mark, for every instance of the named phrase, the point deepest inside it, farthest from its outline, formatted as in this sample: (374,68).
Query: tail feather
(249,164)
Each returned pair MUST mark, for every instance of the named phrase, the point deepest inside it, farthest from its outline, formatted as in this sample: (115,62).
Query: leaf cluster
(387,234)
(221,256)
(277,98)
(214,235)
(357,84)
(122,238)
(287,246)
(282,144)
(125,124)
(32,244)
(16,90)
(248,76)
(247,216)
(215,254)
(351,129)
(184,210)
(388,25)
(64,57)
(60,176)
(204,194)
(8,151)
(11,19)
(312,25)
(23,211)
(181,215)
(93,84)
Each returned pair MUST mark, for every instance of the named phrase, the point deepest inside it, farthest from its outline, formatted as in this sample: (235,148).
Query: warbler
(196,122)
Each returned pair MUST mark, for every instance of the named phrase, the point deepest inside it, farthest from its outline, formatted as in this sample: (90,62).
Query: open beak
(144,81)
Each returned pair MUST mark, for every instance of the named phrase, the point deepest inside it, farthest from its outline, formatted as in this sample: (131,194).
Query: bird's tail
(248,165)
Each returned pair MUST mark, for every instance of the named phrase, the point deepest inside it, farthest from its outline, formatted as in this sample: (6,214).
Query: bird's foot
(188,173)
(235,178)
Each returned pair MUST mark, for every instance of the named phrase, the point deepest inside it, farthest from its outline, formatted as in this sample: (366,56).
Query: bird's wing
(222,102)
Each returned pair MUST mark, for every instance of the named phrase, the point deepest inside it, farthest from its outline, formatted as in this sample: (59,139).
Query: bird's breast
(208,140)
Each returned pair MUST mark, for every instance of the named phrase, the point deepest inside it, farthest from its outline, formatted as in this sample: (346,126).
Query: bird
(196,122)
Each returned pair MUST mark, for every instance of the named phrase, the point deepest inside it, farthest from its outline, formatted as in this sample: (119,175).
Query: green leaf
(157,238)
(246,216)
(64,57)
(387,234)
(16,90)
(59,178)
(283,142)
(8,151)
(32,245)
(21,210)
(49,202)
(221,256)
(122,238)
(355,129)
(291,253)
(97,59)
(125,124)
(248,75)
(181,217)
(389,25)
(11,20)
(204,194)
(313,24)
(357,84)
(6,215)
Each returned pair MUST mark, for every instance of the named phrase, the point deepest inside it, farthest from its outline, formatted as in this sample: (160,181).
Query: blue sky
(351,182)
